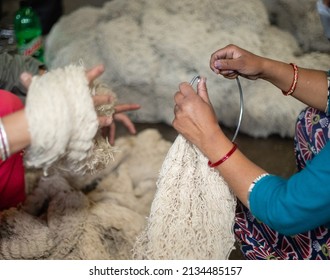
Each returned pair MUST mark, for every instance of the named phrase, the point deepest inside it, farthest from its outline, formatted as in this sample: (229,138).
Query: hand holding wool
(195,118)
(106,122)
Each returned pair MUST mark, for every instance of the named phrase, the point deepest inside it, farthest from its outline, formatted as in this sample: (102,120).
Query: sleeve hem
(256,180)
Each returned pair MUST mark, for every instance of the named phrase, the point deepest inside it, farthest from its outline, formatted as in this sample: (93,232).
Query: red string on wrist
(294,82)
(233,149)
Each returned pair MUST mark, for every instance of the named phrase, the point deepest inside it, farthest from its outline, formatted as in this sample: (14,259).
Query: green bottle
(28,32)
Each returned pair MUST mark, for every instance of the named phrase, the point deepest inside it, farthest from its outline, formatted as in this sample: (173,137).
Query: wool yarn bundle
(192,214)
(61,117)
(63,122)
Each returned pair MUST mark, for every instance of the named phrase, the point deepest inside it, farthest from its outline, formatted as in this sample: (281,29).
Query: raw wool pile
(64,128)
(193,211)
(302,21)
(93,217)
(150,46)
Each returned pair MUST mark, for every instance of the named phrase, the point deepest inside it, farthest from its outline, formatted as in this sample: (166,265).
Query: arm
(272,196)
(312,86)
(16,124)
(288,206)
(196,121)
(16,127)
(297,204)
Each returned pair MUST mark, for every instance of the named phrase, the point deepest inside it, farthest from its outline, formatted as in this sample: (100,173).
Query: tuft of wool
(61,116)
(192,214)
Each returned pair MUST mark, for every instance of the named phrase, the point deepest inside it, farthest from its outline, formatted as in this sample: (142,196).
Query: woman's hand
(106,123)
(195,118)
(232,61)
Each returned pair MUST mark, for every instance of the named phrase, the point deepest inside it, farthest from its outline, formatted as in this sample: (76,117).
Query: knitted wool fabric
(192,214)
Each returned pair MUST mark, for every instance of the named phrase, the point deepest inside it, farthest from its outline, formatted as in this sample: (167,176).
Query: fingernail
(217,64)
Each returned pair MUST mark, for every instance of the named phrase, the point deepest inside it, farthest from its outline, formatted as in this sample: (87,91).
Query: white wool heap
(144,35)
(61,116)
(192,214)
(86,217)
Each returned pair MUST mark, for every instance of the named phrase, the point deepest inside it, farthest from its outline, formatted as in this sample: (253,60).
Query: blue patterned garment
(257,241)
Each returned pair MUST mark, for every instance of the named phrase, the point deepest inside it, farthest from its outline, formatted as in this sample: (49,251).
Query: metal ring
(241,111)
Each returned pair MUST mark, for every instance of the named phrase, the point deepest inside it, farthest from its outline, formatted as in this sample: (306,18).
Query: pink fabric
(12,182)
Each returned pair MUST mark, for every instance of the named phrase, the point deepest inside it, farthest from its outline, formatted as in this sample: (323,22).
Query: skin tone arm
(195,118)
(17,129)
(196,121)
(232,61)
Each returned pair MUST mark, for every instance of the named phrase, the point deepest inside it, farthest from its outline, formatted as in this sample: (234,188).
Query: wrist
(266,69)
(216,145)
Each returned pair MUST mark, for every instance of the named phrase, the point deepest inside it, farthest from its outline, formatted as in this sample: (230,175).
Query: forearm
(312,85)
(16,127)
(238,171)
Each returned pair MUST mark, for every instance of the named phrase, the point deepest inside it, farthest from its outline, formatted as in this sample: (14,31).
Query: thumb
(202,90)
(26,79)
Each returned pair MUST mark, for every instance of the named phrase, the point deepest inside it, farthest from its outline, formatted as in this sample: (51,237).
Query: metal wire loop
(241,111)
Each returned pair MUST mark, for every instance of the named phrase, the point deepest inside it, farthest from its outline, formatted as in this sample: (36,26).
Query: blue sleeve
(297,204)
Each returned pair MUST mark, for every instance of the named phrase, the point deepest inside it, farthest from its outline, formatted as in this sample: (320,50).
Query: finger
(102,99)
(26,79)
(202,90)
(126,107)
(229,74)
(112,134)
(94,72)
(225,64)
(126,121)
(105,121)
(186,89)
(178,97)
(176,109)
(218,55)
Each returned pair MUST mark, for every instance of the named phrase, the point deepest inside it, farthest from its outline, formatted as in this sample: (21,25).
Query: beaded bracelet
(294,82)
(4,146)
(327,108)
(233,149)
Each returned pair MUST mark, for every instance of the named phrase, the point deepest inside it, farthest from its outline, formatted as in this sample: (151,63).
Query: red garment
(12,180)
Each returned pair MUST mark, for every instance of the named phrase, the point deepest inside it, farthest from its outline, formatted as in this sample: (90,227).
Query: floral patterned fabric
(259,242)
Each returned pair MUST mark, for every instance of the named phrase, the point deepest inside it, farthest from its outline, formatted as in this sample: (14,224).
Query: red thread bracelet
(233,149)
(294,82)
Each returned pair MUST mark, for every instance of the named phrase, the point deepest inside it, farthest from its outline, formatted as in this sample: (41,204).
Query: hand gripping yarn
(101,153)
(63,122)
(192,214)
